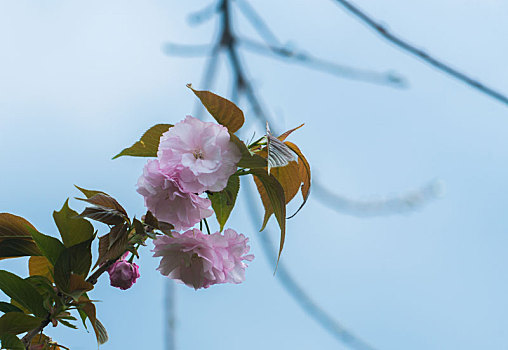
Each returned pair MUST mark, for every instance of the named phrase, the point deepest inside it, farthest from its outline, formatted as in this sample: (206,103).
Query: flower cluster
(193,157)
(201,260)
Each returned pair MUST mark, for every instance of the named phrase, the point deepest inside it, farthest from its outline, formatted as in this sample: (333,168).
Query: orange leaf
(304,171)
(283,136)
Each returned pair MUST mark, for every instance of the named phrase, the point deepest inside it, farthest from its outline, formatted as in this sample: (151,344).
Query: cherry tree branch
(421,54)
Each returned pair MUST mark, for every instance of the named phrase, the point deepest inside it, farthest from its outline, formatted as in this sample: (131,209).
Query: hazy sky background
(79,81)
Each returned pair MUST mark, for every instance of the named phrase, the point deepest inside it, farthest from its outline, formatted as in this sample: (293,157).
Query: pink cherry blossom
(123,274)
(201,153)
(167,201)
(201,260)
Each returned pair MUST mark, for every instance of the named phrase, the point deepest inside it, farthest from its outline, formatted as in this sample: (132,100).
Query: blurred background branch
(424,56)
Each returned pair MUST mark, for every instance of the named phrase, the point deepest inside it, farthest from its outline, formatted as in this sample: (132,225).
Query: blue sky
(80,81)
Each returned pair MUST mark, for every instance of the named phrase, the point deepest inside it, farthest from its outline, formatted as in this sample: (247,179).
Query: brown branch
(28,337)
(424,56)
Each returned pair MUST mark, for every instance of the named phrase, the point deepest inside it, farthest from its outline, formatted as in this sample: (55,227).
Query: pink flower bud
(123,274)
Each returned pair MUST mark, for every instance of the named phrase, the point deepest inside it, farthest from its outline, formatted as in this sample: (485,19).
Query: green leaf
(45,288)
(63,271)
(223,202)
(17,322)
(13,248)
(148,145)
(7,307)
(50,247)
(77,259)
(23,292)
(78,286)
(11,342)
(248,160)
(138,226)
(73,228)
(271,190)
(67,324)
(224,111)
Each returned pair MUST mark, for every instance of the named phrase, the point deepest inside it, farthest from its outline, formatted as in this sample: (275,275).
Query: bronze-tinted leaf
(104,215)
(224,111)
(43,342)
(89,309)
(272,192)
(152,222)
(13,226)
(88,193)
(105,201)
(78,285)
(223,202)
(113,245)
(14,248)
(148,145)
(15,237)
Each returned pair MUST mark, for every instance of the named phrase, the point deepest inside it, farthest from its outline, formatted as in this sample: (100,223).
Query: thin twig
(202,15)
(309,61)
(404,45)
(173,49)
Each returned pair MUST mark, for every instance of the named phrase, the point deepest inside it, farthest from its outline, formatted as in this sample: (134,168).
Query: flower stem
(206,224)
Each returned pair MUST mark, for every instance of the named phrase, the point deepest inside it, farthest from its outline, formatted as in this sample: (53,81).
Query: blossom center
(198,154)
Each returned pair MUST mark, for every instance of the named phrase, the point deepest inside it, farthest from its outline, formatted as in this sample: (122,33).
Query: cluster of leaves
(59,270)
(276,187)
